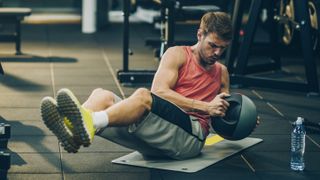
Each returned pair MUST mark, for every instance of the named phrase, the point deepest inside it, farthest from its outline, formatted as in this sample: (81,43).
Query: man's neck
(196,54)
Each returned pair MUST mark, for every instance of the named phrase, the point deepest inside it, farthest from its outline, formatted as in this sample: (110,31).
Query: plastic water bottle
(298,137)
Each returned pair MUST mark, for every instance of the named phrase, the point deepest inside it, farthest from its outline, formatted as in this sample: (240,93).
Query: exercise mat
(215,150)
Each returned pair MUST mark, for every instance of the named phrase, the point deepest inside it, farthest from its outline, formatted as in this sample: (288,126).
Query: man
(173,119)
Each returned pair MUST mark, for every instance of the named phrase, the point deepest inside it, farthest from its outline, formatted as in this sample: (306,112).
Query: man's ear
(199,34)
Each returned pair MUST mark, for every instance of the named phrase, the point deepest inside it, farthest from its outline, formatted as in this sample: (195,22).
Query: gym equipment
(307,122)
(1,69)
(5,157)
(240,71)
(178,10)
(286,18)
(126,76)
(310,126)
(5,163)
(240,118)
(13,16)
(5,134)
(130,77)
(286,13)
(210,155)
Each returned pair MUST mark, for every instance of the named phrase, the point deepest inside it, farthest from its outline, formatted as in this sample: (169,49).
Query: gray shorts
(165,131)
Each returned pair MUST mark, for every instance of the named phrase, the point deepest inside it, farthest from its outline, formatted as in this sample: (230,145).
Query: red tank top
(197,83)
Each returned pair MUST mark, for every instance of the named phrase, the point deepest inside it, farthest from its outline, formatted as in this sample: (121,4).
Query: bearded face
(211,47)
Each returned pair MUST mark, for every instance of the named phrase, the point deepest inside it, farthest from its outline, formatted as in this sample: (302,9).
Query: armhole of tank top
(187,53)
(219,67)
(220,71)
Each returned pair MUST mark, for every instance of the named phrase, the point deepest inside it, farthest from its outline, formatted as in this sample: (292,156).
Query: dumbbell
(5,163)
(5,134)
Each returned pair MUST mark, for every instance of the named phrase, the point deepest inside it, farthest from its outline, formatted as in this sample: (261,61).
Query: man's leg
(131,109)
(123,113)
(100,100)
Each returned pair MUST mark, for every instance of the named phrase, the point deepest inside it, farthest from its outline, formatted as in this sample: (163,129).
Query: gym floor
(57,56)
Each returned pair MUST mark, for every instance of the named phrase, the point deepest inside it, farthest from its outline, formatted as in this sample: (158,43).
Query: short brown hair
(217,22)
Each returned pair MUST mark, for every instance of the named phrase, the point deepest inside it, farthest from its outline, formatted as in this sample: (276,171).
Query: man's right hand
(218,106)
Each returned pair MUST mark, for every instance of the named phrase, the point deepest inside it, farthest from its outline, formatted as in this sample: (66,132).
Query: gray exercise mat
(210,155)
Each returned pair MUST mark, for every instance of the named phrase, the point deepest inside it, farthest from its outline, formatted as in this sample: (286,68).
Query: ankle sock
(100,119)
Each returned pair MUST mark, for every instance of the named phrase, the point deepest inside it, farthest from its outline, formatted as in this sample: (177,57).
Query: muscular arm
(166,78)
(225,82)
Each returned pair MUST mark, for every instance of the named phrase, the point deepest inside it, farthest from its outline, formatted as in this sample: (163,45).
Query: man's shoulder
(178,53)
(177,49)
(222,66)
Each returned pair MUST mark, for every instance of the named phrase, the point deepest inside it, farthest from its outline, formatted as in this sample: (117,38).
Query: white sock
(100,119)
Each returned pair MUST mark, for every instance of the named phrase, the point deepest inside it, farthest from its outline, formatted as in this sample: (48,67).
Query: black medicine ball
(240,118)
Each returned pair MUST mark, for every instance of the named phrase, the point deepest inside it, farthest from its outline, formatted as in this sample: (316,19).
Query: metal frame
(126,76)
(240,70)
(169,10)
(167,21)
(130,77)
(232,52)
(14,37)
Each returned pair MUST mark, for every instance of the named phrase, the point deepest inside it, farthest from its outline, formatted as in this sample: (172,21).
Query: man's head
(214,35)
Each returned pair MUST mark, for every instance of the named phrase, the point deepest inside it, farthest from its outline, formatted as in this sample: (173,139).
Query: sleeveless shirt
(197,83)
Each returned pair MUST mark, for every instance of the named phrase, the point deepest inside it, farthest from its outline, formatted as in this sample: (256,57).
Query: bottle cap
(299,120)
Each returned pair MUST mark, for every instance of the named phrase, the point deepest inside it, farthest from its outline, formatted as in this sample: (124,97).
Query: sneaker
(80,118)
(53,120)
(69,125)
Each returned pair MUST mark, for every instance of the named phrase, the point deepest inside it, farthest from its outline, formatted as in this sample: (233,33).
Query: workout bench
(13,16)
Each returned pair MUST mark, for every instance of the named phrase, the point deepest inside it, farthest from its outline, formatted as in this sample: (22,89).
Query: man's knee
(144,96)
(96,91)
(105,95)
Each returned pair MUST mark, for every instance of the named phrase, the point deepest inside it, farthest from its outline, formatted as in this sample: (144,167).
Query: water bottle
(298,137)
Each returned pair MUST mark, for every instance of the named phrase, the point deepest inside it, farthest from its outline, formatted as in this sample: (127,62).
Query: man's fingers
(221,109)
(223,95)
(220,114)
(225,103)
